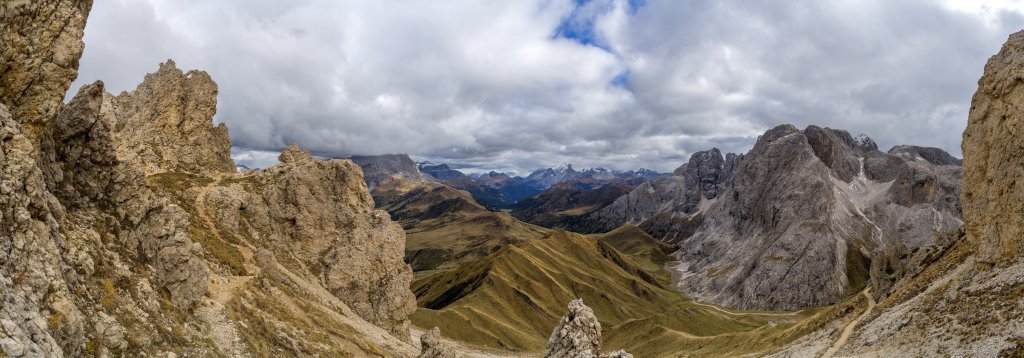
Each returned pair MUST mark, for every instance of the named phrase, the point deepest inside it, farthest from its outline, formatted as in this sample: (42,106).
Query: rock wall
(82,168)
(42,42)
(812,216)
(95,262)
(993,147)
(322,212)
(659,204)
(165,124)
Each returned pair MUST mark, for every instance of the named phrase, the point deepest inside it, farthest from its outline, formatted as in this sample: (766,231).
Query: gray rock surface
(929,154)
(993,146)
(662,201)
(42,42)
(166,124)
(578,334)
(322,213)
(378,168)
(433,347)
(802,221)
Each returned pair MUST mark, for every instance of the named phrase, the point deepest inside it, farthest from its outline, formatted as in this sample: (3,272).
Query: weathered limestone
(993,147)
(433,347)
(578,334)
(165,124)
(42,41)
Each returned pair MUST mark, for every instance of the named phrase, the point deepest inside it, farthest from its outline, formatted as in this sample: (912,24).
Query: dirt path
(222,288)
(848,330)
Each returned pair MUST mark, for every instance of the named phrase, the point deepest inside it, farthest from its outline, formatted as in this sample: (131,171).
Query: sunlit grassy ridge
(514,298)
(445,227)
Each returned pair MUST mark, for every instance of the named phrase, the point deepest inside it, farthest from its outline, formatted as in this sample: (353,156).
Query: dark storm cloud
(518,85)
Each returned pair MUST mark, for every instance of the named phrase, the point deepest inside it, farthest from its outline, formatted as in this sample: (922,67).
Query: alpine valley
(126,229)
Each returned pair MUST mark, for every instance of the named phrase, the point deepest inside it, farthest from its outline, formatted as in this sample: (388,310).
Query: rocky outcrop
(165,124)
(992,147)
(293,154)
(802,221)
(379,168)
(667,201)
(960,297)
(92,249)
(578,334)
(322,213)
(42,42)
(433,347)
(85,173)
(442,172)
(928,154)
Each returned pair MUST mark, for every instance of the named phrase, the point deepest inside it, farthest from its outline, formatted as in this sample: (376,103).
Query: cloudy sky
(515,85)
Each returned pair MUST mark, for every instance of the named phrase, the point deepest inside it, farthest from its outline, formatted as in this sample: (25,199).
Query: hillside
(512,298)
(650,253)
(446,227)
(565,205)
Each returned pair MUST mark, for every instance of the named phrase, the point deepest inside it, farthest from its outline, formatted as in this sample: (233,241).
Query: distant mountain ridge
(501,190)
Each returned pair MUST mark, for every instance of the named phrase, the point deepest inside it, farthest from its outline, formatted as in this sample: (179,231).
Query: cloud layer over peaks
(522,84)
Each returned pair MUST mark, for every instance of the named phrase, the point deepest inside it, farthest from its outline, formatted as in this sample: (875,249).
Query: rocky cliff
(993,210)
(668,207)
(379,168)
(962,297)
(100,259)
(801,222)
(42,43)
(165,124)
(320,213)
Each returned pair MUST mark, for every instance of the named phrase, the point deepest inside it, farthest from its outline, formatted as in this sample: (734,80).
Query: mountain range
(126,230)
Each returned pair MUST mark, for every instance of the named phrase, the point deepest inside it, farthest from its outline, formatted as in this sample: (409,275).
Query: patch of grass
(221,250)
(108,297)
(54,321)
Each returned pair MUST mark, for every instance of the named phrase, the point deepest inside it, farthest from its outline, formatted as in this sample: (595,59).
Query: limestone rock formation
(98,259)
(928,154)
(379,168)
(807,214)
(294,154)
(84,172)
(165,124)
(39,58)
(433,347)
(578,334)
(960,297)
(321,212)
(667,206)
(992,147)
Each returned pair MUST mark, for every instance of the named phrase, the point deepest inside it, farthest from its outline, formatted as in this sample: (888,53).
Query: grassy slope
(649,253)
(446,227)
(513,299)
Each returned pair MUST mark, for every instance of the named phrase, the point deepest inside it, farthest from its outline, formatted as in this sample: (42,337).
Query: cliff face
(42,42)
(667,207)
(809,217)
(165,124)
(96,258)
(992,146)
(960,297)
(321,213)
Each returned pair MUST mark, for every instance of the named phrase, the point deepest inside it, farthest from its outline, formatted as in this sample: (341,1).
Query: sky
(519,85)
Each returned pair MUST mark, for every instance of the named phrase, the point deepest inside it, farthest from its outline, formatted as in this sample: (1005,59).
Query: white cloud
(487,84)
